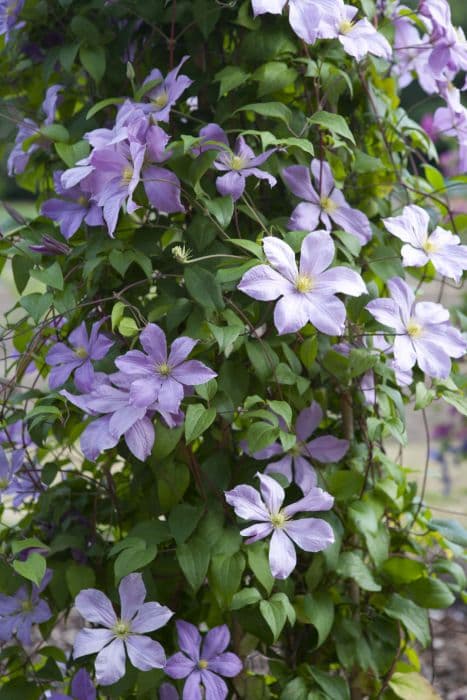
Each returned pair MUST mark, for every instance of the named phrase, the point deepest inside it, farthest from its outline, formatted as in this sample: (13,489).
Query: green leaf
(414,619)
(308,351)
(225,577)
(133,558)
(334,123)
(51,276)
(78,577)
(450,530)
(430,593)
(222,208)
(93,60)
(230,78)
(295,690)
(167,440)
(260,435)
(318,607)
(36,304)
(335,687)
(352,566)
(193,557)
(116,316)
(252,247)
(197,420)
(183,519)
(412,686)
(403,570)
(172,482)
(102,104)
(55,132)
(21,267)
(259,564)
(274,76)
(70,153)
(274,613)
(32,569)
(457,400)
(423,396)
(203,287)
(282,409)
(385,263)
(275,110)
(247,596)
(127,327)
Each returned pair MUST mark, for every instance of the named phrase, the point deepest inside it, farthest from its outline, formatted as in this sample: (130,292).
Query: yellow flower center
(82,201)
(202,664)
(304,284)
(26,606)
(430,247)
(81,352)
(346,26)
(237,163)
(121,629)
(163,369)
(414,329)
(127,174)
(3,484)
(278,519)
(328,205)
(160,100)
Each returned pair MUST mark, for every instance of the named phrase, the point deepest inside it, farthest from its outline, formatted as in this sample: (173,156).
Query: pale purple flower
(65,360)
(19,612)
(82,688)
(452,121)
(422,332)
(326,204)
(203,662)
(160,375)
(9,13)
(73,207)
(19,158)
(412,52)
(358,37)
(308,292)
(125,633)
(111,397)
(304,15)
(449,44)
(162,97)
(237,164)
(168,692)
(441,247)
(8,469)
(295,463)
(15,435)
(266,508)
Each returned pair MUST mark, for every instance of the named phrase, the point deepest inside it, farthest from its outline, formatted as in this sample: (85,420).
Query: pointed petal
(308,420)
(144,652)
(327,448)
(179,666)
(282,555)
(281,257)
(317,253)
(132,592)
(215,642)
(95,607)
(304,217)
(265,284)
(272,492)
(150,617)
(247,503)
(316,499)
(310,534)
(91,641)
(298,180)
(154,342)
(110,663)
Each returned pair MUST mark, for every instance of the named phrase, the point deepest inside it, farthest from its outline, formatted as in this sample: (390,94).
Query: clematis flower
(15,435)
(266,508)
(162,97)
(19,158)
(117,635)
(8,470)
(237,164)
(111,397)
(19,612)
(65,360)
(73,207)
(441,247)
(307,293)
(50,246)
(295,464)
(168,692)
(327,204)
(304,15)
(159,375)
(449,50)
(358,37)
(203,663)
(423,334)
(82,688)
(9,13)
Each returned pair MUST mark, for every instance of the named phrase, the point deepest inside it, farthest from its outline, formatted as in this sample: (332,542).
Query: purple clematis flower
(73,207)
(19,612)
(8,470)
(307,293)
(358,38)
(449,44)
(65,360)
(50,246)
(117,635)
(19,158)
(9,13)
(423,334)
(310,534)
(237,165)
(15,435)
(162,97)
(295,464)
(203,663)
(441,247)
(82,688)
(327,204)
(159,375)
(168,692)
(121,418)
(304,15)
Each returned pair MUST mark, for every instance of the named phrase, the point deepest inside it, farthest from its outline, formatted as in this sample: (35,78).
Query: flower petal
(317,253)
(179,666)
(247,503)
(282,555)
(308,420)
(150,617)
(342,280)
(316,499)
(110,663)
(180,349)
(144,652)
(91,641)
(310,534)
(154,342)
(215,642)
(264,283)
(132,592)
(327,448)
(227,664)
(272,492)
(304,217)
(95,607)
(189,639)
(214,686)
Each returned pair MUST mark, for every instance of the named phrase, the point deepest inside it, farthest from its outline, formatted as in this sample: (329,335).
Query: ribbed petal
(282,555)
(132,592)
(281,257)
(150,617)
(316,254)
(327,448)
(179,666)
(154,343)
(272,492)
(95,607)
(144,652)
(192,688)
(91,641)
(110,663)
(215,642)
(180,349)
(215,687)
(265,284)
(140,438)
(247,503)
(310,534)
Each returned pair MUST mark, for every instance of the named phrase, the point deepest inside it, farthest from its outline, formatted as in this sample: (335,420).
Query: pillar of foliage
(231,289)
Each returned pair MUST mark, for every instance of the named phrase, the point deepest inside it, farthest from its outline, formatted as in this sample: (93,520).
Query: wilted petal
(110,663)
(282,556)
(144,652)
(310,534)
